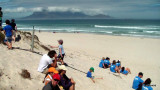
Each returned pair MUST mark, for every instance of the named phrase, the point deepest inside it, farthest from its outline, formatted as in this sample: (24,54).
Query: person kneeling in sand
(53,84)
(107,62)
(46,62)
(125,71)
(48,77)
(137,82)
(113,67)
(65,82)
(101,64)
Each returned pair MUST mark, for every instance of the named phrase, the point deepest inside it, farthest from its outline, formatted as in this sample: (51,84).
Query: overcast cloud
(136,9)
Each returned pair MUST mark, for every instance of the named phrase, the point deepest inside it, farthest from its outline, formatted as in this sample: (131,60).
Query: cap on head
(52,70)
(92,69)
(56,76)
(62,67)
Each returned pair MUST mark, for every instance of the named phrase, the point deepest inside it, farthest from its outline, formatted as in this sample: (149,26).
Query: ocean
(136,28)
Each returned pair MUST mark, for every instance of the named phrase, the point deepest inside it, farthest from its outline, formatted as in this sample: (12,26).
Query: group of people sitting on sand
(115,66)
(55,70)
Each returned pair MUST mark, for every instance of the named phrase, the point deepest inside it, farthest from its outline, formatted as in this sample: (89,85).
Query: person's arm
(16,28)
(92,80)
(54,46)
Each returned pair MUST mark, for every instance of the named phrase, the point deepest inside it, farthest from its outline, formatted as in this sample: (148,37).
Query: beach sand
(82,52)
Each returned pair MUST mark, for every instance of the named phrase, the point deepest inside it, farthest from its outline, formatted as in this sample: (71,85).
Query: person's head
(7,21)
(52,54)
(56,79)
(13,20)
(52,71)
(123,68)
(107,58)
(0,8)
(148,81)
(118,61)
(62,69)
(91,69)
(60,42)
(114,62)
(103,58)
(140,74)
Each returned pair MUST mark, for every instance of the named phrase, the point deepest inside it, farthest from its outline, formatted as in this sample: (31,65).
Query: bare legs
(127,69)
(9,45)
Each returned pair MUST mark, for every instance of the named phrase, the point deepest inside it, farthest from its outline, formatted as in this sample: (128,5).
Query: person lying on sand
(61,49)
(137,82)
(53,84)
(101,64)
(114,68)
(46,62)
(118,64)
(48,77)
(146,85)
(65,82)
(125,71)
(107,62)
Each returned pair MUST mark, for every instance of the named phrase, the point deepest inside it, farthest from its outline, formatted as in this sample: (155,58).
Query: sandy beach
(82,52)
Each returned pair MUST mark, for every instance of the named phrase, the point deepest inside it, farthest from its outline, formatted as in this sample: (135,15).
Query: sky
(120,9)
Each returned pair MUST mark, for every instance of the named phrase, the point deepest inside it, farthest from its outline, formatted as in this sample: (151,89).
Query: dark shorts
(106,66)
(0,22)
(8,39)
(59,56)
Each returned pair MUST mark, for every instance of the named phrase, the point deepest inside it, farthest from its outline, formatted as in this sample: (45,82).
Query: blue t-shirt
(8,30)
(147,88)
(124,72)
(137,80)
(118,64)
(107,62)
(89,74)
(61,46)
(101,63)
(112,68)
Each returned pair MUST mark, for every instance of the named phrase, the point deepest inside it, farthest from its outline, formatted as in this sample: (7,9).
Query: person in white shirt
(47,61)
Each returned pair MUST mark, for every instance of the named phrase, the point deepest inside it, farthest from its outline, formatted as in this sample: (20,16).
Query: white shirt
(44,62)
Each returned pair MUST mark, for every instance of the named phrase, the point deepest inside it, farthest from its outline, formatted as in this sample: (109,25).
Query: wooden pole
(32,45)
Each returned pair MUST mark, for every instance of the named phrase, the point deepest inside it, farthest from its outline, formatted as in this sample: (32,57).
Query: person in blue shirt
(138,82)
(107,62)
(113,67)
(101,64)
(118,64)
(89,74)
(146,85)
(125,71)
(8,34)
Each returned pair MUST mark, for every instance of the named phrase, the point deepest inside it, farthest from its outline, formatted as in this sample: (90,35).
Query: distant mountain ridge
(65,15)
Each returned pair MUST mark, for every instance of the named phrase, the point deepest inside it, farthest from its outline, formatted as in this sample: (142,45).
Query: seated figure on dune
(107,62)
(48,77)
(125,71)
(47,61)
(89,74)
(65,82)
(146,85)
(101,64)
(114,68)
(138,82)
(118,64)
(53,84)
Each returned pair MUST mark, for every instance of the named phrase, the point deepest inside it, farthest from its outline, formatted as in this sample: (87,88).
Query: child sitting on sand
(107,62)
(118,64)
(113,67)
(48,77)
(61,49)
(125,71)
(146,85)
(89,74)
(137,82)
(101,64)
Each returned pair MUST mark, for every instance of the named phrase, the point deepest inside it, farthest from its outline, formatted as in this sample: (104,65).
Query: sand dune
(82,52)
